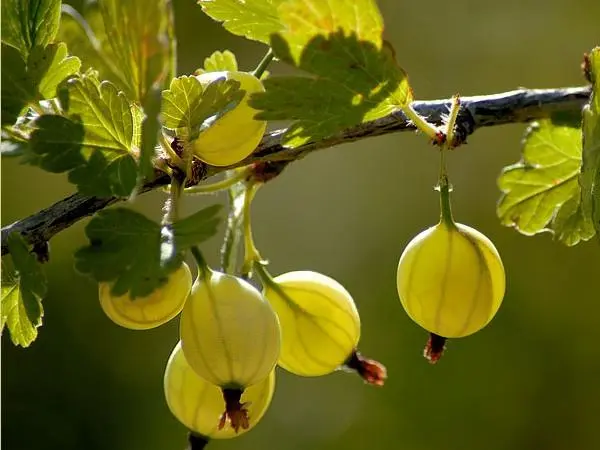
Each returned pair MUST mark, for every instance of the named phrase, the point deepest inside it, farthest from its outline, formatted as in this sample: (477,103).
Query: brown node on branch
(434,349)
(439,139)
(371,371)
(236,412)
(264,171)
(586,67)
(197,174)
(41,251)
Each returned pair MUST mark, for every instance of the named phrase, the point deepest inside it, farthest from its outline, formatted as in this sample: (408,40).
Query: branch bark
(517,106)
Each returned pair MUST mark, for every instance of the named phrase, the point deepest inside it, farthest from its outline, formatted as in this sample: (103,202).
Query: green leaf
(49,67)
(220,61)
(253,19)
(21,296)
(17,89)
(38,79)
(96,141)
(125,248)
(355,77)
(186,105)
(27,24)
(140,34)
(590,168)
(83,41)
(541,192)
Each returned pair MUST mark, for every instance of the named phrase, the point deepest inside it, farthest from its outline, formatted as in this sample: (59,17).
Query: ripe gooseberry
(450,279)
(320,326)
(230,336)
(236,133)
(199,405)
(143,313)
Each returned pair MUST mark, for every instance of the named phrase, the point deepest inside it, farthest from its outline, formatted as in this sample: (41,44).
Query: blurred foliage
(527,381)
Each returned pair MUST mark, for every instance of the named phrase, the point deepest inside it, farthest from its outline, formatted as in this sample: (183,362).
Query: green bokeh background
(527,381)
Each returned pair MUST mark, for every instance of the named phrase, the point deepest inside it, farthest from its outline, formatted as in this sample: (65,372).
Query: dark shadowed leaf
(125,248)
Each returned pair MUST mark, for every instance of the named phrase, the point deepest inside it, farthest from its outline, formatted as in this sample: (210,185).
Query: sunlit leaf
(541,192)
(96,141)
(84,43)
(27,24)
(125,248)
(354,75)
(22,293)
(186,105)
(220,61)
(253,19)
(590,169)
(138,33)
(34,80)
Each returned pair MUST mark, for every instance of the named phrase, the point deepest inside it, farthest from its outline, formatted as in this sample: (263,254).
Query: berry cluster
(220,377)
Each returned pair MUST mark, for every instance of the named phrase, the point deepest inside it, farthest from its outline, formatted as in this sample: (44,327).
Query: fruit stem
(235,411)
(371,371)
(251,255)
(203,268)
(232,239)
(197,441)
(172,204)
(219,185)
(444,188)
(267,279)
(264,63)
(431,131)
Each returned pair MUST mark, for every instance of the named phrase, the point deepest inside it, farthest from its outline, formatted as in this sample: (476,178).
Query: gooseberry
(230,336)
(142,313)
(320,326)
(199,405)
(451,280)
(236,133)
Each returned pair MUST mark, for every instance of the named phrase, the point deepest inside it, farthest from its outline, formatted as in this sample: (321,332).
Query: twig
(517,106)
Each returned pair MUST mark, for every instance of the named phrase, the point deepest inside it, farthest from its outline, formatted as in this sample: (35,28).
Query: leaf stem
(219,185)
(251,255)
(203,268)
(264,63)
(451,124)
(430,130)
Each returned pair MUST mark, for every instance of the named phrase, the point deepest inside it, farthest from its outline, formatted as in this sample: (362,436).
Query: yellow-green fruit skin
(230,334)
(143,313)
(236,133)
(451,280)
(198,404)
(320,324)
